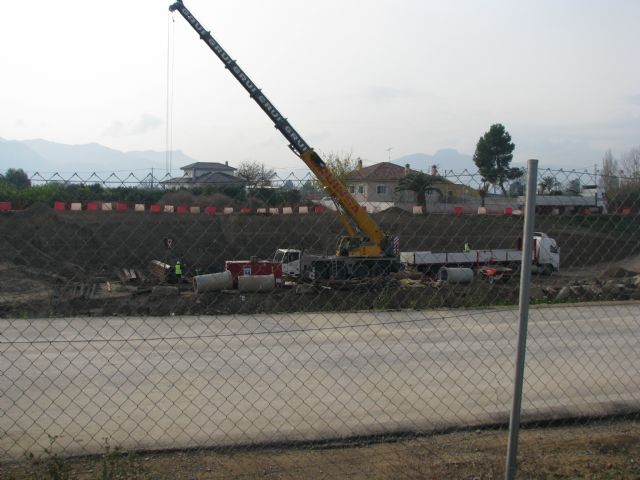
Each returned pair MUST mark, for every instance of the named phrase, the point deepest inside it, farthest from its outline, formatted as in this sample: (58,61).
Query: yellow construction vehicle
(366,249)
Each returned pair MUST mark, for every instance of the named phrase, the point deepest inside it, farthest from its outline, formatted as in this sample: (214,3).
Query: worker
(178,271)
(467,246)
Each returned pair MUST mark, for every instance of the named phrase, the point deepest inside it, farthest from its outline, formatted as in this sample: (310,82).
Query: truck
(545,258)
(591,198)
(366,249)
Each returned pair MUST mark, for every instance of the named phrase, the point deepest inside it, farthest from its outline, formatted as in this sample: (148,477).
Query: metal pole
(525,283)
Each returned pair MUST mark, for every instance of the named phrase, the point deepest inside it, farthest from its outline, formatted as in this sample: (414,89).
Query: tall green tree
(18,178)
(493,155)
(421,184)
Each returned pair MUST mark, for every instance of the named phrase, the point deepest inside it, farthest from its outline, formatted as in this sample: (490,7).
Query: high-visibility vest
(178,269)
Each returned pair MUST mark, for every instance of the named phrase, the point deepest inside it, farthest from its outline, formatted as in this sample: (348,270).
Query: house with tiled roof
(206,173)
(377,184)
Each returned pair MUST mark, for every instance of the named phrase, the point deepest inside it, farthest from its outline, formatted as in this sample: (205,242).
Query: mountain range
(444,160)
(42,156)
(39,156)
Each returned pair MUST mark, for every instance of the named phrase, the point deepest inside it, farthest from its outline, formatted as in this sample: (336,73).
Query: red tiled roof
(384,171)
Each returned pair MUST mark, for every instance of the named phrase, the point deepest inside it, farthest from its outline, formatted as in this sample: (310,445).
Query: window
(361,189)
(352,189)
(381,189)
(291,257)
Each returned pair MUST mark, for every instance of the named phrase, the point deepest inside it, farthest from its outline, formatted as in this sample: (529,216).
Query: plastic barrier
(155,208)
(319,209)
(168,209)
(76,207)
(5,206)
(508,211)
(121,207)
(139,207)
(274,211)
(182,209)
(303,210)
(92,206)
(246,210)
(107,206)
(418,210)
(211,210)
(287,210)
(482,210)
(58,206)
(626,211)
(228,210)
(457,211)
(194,210)
(261,210)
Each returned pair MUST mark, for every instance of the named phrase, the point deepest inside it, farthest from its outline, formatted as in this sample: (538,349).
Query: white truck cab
(290,260)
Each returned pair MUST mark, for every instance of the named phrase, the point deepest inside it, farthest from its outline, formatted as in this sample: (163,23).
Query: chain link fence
(245,343)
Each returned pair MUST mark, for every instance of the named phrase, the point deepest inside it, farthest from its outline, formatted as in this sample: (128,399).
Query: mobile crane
(365,250)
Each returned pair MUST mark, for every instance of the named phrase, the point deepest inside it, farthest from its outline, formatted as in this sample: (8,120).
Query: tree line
(260,191)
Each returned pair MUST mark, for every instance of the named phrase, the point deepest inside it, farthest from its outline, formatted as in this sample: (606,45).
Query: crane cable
(170,78)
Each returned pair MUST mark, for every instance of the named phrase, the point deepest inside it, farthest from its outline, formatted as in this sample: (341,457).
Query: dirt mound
(35,210)
(617,272)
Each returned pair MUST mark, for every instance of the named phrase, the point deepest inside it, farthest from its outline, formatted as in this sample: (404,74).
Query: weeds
(113,464)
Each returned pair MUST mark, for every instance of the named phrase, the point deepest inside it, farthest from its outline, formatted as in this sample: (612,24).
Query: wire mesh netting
(217,315)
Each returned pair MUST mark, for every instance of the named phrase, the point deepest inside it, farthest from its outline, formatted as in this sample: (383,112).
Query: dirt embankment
(50,260)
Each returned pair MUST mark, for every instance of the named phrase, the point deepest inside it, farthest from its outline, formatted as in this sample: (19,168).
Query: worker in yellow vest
(178,271)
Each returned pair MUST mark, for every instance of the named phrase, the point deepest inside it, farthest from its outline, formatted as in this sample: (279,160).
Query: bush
(627,196)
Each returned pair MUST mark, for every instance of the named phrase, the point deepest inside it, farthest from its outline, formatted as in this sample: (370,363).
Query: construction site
(64,264)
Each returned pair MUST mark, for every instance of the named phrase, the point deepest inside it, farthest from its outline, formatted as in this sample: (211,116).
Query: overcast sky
(351,76)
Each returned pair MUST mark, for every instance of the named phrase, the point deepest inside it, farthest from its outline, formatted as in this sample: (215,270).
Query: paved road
(201,381)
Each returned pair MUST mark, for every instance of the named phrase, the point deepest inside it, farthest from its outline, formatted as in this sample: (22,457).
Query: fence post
(525,283)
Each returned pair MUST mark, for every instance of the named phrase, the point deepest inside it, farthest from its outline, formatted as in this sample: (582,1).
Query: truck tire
(546,269)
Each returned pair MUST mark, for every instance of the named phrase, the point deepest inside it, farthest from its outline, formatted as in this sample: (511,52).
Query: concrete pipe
(256,283)
(455,275)
(213,282)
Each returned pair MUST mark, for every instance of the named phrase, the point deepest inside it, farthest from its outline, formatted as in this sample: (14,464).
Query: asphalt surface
(174,382)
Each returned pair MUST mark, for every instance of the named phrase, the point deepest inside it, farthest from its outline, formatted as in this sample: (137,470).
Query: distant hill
(444,159)
(43,156)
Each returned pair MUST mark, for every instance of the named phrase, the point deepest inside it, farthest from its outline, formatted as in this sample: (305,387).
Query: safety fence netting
(243,316)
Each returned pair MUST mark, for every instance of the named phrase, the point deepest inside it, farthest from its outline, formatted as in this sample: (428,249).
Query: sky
(352,76)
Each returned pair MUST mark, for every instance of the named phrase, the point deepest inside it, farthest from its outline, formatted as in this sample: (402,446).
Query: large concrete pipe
(213,282)
(455,275)
(256,283)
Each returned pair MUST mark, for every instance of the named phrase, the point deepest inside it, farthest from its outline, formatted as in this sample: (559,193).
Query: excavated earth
(71,263)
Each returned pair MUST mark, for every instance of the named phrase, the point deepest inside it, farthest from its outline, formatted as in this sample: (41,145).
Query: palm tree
(420,183)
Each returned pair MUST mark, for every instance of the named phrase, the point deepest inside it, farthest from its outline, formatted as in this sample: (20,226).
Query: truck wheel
(546,270)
